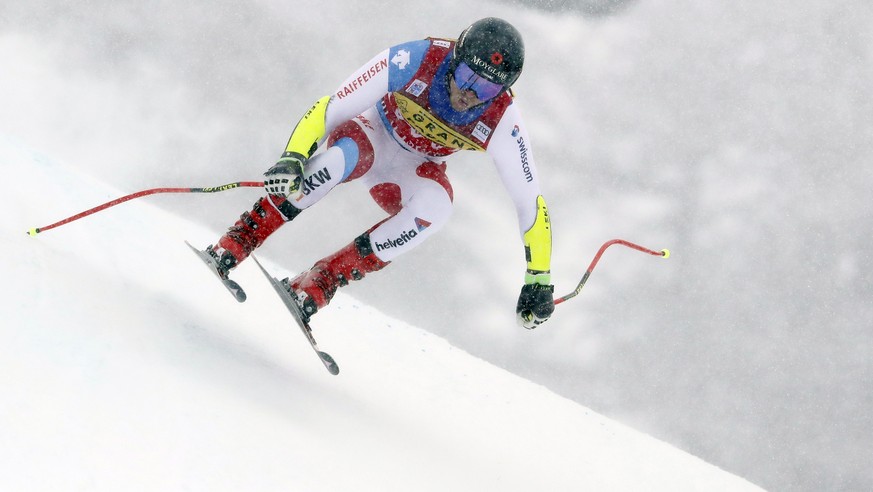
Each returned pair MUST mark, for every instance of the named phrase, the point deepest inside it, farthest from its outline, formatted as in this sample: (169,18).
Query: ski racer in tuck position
(391,125)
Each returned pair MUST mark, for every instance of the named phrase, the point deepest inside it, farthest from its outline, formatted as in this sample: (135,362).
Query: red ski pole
(664,253)
(153,191)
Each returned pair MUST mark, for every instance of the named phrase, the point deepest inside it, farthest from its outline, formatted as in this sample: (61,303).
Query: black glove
(535,305)
(285,177)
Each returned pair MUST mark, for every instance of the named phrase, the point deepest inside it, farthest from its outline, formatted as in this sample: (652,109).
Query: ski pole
(153,191)
(664,253)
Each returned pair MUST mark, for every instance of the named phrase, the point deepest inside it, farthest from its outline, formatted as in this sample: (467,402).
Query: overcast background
(739,135)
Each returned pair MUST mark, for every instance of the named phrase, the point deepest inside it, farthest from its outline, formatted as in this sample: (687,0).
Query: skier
(391,125)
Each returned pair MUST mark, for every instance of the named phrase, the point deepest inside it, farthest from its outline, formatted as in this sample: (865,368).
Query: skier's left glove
(535,305)
(286,176)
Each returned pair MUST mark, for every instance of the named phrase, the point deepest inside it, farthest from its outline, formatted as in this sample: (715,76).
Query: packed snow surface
(126,366)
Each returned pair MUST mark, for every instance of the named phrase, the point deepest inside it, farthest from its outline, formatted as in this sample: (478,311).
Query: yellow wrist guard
(309,130)
(538,246)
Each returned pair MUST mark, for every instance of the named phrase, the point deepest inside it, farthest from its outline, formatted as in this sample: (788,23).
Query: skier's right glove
(535,305)
(286,176)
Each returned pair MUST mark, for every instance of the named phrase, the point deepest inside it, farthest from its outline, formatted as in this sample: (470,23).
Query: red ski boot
(314,289)
(251,230)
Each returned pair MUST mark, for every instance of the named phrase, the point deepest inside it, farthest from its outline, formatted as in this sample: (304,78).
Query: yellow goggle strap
(538,247)
(309,130)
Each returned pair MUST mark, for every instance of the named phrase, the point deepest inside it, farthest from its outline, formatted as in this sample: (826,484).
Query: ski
(294,309)
(238,293)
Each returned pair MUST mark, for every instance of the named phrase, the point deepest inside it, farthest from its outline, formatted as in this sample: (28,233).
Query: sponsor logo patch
(315,180)
(401,59)
(416,87)
(421,224)
(522,153)
(494,74)
(361,79)
(430,127)
(404,238)
(482,132)
(364,121)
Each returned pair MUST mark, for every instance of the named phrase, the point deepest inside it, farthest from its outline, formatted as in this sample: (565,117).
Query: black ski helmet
(493,48)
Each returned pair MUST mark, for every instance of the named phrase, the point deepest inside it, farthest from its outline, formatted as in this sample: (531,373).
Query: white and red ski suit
(391,126)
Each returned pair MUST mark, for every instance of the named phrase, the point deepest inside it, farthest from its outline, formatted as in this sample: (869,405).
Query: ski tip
(329,363)
(238,293)
(33,232)
(665,253)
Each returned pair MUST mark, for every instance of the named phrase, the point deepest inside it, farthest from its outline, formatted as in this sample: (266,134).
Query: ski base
(294,309)
(234,288)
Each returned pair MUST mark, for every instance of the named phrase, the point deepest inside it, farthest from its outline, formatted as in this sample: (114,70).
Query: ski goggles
(467,80)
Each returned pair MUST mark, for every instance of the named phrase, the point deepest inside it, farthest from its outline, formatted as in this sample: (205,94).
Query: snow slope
(125,366)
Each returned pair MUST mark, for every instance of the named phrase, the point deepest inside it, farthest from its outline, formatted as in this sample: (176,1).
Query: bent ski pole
(664,253)
(153,191)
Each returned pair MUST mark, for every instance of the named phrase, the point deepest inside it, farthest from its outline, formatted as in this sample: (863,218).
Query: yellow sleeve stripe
(538,240)
(309,130)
